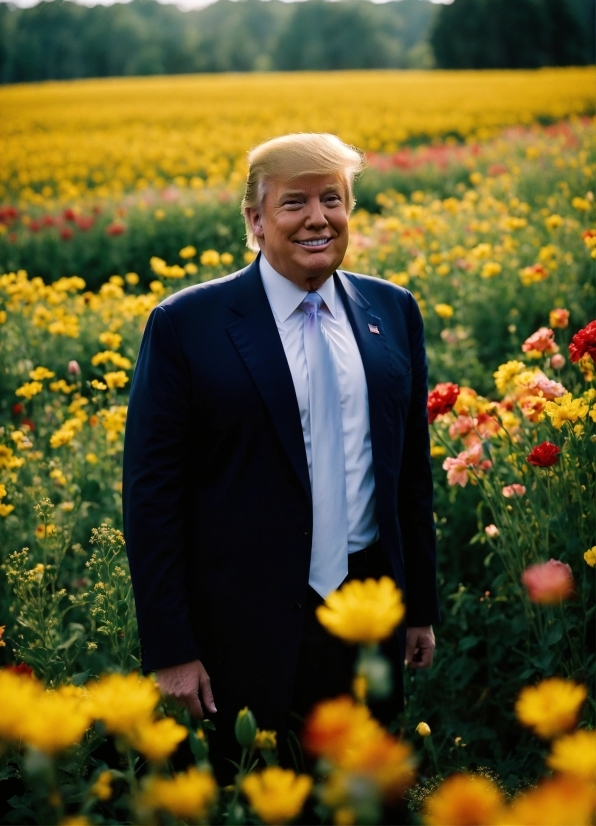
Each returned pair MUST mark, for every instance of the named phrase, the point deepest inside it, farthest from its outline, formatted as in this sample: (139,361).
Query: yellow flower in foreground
(505,375)
(363,612)
(383,759)
(102,788)
(444,310)
(265,740)
(116,379)
(41,373)
(551,707)
(156,740)
(210,258)
(565,409)
(575,754)
(187,795)
(5,509)
(55,721)
(590,556)
(423,729)
(277,795)
(336,726)
(188,252)
(123,702)
(559,801)
(29,389)
(464,800)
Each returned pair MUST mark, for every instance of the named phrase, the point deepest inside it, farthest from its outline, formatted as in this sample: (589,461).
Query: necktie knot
(311,304)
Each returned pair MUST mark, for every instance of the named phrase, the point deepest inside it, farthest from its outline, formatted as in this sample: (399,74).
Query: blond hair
(303,153)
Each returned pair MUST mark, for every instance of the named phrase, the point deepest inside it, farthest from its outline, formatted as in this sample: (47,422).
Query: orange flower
(558,318)
(548,583)
(336,725)
(464,800)
(559,801)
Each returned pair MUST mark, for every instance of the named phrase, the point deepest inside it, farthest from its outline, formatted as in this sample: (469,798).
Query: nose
(315,217)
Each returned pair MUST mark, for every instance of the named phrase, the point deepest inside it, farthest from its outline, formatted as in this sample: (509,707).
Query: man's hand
(188,683)
(420,646)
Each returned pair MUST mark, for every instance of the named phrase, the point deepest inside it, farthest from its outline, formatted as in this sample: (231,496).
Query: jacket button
(297,606)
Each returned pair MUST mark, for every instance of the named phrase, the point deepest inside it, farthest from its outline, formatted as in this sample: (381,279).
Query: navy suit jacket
(216,493)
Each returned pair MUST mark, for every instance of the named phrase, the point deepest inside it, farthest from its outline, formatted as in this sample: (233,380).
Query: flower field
(479,199)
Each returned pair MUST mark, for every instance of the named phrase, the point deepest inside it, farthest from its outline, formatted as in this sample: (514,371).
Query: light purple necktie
(329,556)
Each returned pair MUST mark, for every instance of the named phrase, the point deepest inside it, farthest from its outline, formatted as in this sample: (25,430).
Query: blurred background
(59,39)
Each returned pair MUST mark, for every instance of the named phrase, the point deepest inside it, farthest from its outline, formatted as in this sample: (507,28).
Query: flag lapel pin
(374,329)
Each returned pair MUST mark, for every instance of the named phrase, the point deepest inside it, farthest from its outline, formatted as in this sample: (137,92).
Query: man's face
(302,227)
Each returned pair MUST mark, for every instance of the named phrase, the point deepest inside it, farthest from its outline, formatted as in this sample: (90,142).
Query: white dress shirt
(285,299)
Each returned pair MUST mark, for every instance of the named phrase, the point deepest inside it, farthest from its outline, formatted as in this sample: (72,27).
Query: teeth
(319,242)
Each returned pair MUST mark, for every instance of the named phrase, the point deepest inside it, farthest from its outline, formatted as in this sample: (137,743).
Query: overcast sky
(183,4)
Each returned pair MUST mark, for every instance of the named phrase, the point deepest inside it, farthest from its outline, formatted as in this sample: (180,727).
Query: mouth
(316,243)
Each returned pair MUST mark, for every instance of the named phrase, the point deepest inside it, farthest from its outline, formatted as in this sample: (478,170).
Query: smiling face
(302,227)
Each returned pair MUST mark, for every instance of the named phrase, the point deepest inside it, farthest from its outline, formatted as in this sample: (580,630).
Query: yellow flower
(385,760)
(91,458)
(554,221)
(99,385)
(8,460)
(444,310)
(188,252)
(277,795)
(56,721)
(111,340)
(551,707)
(265,740)
(363,612)
(423,729)
(187,795)
(3,316)
(156,740)
(581,204)
(337,726)
(226,258)
(191,268)
(210,258)
(102,788)
(590,556)
(437,450)
(61,386)
(76,820)
(110,355)
(505,375)
(490,269)
(131,278)
(565,409)
(464,800)
(123,702)
(2,491)
(559,801)
(116,379)
(41,373)
(113,421)
(29,389)
(5,509)
(360,687)
(575,754)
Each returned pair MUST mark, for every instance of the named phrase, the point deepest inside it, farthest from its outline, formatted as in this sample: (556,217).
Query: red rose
(544,455)
(584,342)
(441,399)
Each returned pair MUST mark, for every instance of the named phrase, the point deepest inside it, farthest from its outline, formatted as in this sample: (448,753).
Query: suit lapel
(379,371)
(257,340)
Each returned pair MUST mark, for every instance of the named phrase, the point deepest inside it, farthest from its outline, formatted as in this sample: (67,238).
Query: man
(277,444)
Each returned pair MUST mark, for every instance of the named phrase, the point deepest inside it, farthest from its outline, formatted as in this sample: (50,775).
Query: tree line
(59,39)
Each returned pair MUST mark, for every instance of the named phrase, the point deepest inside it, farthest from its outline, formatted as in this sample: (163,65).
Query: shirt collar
(285,297)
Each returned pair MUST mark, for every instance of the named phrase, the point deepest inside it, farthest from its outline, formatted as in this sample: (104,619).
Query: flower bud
(245,728)
(376,671)
(74,368)
(423,729)
(557,361)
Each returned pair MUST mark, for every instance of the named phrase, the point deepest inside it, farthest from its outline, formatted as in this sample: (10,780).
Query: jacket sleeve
(156,441)
(415,491)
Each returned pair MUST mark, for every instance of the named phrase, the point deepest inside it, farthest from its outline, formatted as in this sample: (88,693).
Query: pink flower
(542,341)
(538,384)
(74,368)
(492,531)
(457,468)
(548,583)
(509,491)
(557,361)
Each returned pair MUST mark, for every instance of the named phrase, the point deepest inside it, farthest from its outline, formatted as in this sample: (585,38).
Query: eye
(333,198)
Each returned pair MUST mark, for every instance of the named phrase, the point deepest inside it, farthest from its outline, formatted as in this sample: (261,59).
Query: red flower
(48,221)
(544,455)
(21,668)
(584,342)
(66,234)
(30,424)
(548,583)
(441,399)
(17,408)
(116,228)
(69,215)
(85,223)
(34,226)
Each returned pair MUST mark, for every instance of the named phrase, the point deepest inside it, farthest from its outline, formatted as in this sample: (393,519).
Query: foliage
(64,40)
(513,34)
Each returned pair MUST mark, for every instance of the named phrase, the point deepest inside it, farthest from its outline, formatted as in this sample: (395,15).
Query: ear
(254,218)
